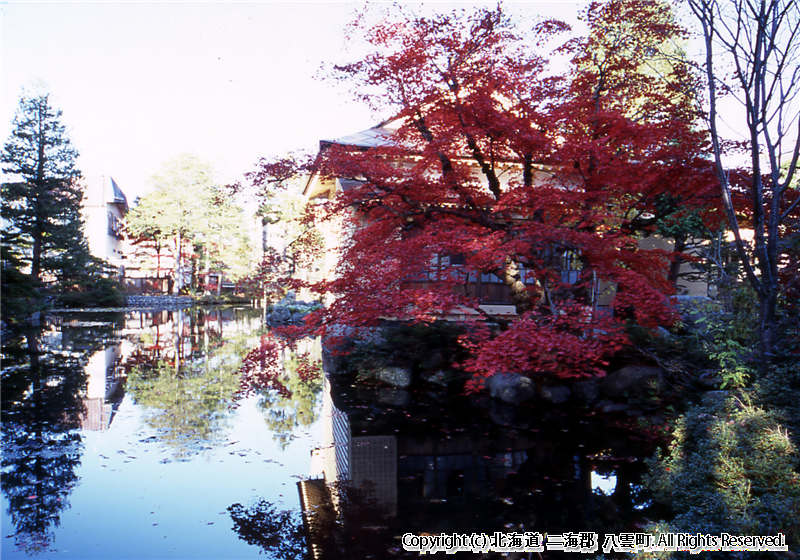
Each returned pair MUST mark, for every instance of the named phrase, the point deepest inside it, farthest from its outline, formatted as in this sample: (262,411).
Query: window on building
(570,267)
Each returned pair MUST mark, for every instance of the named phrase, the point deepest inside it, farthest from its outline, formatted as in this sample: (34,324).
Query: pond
(128,436)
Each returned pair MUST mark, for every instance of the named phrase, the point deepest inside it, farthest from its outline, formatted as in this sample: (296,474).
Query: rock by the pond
(662,333)
(504,414)
(280,315)
(556,394)
(397,376)
(159,302)
(139,303)
(439,377)
(299,316)
(511,387)
(630,379)
(588,391)
(289,299)
(432,361)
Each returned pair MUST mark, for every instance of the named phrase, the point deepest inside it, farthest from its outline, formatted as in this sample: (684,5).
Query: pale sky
(142,82)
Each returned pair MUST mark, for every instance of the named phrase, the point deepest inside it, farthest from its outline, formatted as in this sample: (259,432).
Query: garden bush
(730,468)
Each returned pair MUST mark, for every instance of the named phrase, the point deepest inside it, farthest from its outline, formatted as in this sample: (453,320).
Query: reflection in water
(189,381)
(72,373)
(439,464)
(44,402)
(286,412)
(390,461)
(288,381)
(280,532)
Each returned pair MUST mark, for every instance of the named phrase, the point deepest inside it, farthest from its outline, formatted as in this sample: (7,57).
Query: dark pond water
(125,436)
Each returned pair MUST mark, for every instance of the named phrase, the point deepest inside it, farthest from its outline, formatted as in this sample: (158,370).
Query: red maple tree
(497,168)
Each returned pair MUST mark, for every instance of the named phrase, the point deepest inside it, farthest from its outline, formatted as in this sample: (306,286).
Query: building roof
(100,190)
(373,137)
(118,195)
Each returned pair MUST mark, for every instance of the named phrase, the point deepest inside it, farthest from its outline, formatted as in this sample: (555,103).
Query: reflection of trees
(188,407)
(41,411)
(187,395)
(357,528)
(295,407)
(278,532)
(288,382)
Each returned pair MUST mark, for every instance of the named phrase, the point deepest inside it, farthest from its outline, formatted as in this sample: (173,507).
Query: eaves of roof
(119,196)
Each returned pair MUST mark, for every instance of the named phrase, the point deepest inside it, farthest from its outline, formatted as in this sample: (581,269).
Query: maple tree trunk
(766,328)
(521,296)
(677,261)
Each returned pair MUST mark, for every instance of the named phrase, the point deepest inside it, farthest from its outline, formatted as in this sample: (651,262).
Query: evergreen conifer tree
(41,195)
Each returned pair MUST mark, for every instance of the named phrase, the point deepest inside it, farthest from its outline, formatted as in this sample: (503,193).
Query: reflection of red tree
(263,367)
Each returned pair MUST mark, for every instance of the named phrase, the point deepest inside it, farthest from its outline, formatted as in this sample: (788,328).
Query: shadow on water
(424,462)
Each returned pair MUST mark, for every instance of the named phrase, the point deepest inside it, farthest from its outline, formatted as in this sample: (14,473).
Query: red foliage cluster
(496,166)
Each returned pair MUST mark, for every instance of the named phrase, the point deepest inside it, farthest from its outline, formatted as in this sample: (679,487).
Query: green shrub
(19,298)
(730,468)
(102,292)
(779,390)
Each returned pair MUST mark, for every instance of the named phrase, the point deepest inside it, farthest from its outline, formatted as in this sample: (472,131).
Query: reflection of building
(358,459)
(105,375)
(443,465)
(104,388)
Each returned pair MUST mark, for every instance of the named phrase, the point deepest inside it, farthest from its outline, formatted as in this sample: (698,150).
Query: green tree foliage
(19,297)
(296,406)
(223,241)
(282,209)
(42,197)
(188,406)
(188,209)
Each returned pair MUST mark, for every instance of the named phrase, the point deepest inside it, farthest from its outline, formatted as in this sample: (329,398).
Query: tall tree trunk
(767,326)
(177,269)
(207,271)
(677,261)
(38,233)
(36,258)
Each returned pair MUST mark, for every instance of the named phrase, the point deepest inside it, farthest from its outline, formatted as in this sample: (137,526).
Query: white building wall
(102,215)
